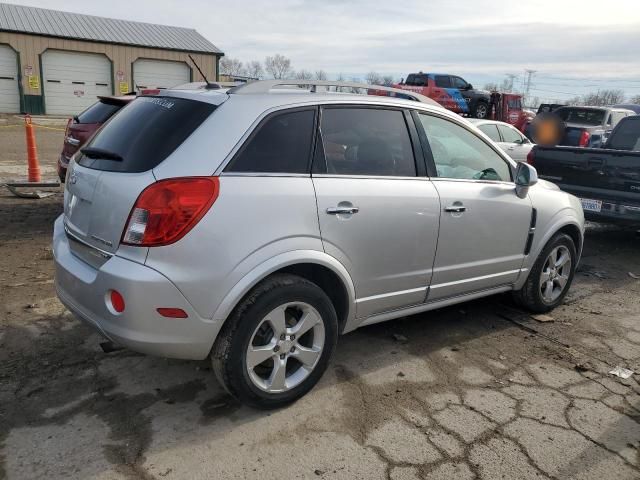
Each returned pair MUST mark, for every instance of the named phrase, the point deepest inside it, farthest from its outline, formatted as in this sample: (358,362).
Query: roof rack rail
(264,86)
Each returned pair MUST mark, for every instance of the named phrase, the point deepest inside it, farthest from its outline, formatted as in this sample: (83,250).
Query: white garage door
(160,73)
(72,80)
(9,96)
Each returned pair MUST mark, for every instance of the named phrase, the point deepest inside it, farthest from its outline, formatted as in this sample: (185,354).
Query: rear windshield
(99,112)
(144,133)
(626,136)
(585,116)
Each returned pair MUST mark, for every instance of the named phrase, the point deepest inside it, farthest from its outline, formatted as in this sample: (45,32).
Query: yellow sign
(34,82)
(124,87)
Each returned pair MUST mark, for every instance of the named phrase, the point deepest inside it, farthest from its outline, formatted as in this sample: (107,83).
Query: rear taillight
(531,156)
(166,210)
(584,139)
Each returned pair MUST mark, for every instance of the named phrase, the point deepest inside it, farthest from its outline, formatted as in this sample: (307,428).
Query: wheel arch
(317,267)
(565,224)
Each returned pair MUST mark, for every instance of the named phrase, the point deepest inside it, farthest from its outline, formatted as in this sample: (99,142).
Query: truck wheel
(550,277)
(277,343)
(481,110)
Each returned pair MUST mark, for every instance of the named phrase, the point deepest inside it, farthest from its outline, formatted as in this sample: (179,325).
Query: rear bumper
(613,212)
(84,290)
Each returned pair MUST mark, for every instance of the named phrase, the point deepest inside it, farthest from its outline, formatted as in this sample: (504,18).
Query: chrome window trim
(364,177)
(264,174)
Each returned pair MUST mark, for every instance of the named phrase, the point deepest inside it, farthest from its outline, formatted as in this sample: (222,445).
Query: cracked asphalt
(479,390)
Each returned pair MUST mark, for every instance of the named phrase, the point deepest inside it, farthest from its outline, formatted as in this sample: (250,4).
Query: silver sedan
(509,139)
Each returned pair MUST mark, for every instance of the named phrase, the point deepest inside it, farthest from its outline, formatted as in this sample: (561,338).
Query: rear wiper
(101,153)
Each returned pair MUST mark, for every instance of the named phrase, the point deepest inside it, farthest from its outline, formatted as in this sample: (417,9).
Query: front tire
(277,343)
(481,110)
(551,275)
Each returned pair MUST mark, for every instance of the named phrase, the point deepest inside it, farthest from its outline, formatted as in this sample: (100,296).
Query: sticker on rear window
(161,102)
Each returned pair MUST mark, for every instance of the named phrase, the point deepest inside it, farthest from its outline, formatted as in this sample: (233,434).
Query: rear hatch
(110,172)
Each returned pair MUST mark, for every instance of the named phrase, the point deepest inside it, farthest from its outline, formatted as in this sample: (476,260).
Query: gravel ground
(480,390)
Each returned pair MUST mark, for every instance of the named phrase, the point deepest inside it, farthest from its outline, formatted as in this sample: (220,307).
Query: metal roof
(54,23)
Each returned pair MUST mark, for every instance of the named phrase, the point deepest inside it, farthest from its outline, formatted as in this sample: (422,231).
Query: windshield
(144,133)
(586,116)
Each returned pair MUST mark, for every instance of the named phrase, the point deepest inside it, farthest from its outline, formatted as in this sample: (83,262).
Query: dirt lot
(480,390)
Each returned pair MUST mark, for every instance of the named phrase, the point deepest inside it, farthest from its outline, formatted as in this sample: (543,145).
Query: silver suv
(256,224)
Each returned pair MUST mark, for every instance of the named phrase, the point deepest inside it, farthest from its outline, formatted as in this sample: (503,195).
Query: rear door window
(144,133)
(490,131)
(366,141)
(99,112)
(509,135)
(443,81)
(281,144)
(417,80)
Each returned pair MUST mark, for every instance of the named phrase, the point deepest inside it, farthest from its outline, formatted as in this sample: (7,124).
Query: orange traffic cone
(32,152)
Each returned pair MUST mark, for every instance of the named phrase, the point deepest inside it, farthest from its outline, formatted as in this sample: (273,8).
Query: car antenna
(210,86)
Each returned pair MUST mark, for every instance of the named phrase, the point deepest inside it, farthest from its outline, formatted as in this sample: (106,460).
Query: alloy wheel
(555,274)
(285,347)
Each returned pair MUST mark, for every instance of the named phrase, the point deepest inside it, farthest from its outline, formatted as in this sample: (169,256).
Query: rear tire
(277,343)
(551,276)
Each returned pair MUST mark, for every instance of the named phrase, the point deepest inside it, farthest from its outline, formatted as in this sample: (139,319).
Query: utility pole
(511,77)
(529,73)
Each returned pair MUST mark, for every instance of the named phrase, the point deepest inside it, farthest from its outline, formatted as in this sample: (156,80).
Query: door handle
(342,210)
(455,209)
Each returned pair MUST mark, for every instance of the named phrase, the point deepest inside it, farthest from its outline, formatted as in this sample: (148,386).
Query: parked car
(507,137)
(580,126)
(634,107)
(607,180)
(82,126)
(255,225)
(452,92)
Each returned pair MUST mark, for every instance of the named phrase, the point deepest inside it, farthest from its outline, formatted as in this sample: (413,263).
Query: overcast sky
(574,45)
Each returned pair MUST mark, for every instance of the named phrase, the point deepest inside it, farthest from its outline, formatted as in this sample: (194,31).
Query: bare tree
(230,66)
(387,80)
(278,66)
(340,77)
(635,99)
(373,78)
(320,75)
(491,86)
(303,75)
(603,97)
(254,69)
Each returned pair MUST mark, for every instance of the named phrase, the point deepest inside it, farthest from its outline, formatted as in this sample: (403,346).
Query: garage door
(9,96)
(72,80)
(160,74)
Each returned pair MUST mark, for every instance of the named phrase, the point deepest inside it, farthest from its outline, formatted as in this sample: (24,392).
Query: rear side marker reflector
(117,301)
(172,312)
(166,210)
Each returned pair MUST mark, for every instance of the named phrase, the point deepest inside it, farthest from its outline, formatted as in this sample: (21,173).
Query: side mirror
(469,87)
(526,176)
